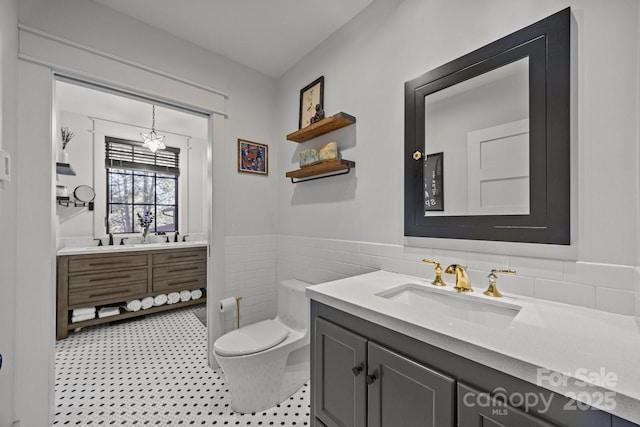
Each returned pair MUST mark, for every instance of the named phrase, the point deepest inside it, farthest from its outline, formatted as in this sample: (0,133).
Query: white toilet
(266,362)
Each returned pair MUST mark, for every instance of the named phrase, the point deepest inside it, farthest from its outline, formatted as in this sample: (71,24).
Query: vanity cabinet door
(339,386)
(405,393)
(475,410)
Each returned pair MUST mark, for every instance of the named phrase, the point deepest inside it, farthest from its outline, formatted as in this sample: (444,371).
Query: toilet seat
(251,339)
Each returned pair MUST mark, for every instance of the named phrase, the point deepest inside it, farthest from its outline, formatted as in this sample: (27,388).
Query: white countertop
(86,250)
(572,345)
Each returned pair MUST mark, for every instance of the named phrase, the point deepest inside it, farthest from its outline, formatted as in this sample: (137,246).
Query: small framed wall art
(253,157)
(311,96)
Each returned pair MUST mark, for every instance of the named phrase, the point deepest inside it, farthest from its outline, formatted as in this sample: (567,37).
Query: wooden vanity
(107,278)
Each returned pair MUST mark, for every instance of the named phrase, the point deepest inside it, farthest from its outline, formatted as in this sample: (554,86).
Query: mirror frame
(547,44)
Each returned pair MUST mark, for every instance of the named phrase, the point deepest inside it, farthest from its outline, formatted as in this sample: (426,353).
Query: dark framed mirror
(498,120)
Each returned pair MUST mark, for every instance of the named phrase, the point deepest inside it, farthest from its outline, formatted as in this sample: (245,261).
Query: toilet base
(259,383)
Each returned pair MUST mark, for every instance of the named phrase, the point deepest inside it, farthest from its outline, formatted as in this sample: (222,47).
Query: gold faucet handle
(438,268)
(503,271)
(492,290)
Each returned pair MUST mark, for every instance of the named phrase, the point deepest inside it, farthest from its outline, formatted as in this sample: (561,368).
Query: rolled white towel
(83,317)
(160,300)
(84,311)
(147,302)
(196,294)
(173,297)
(108,311)
(133,305)
(185,296)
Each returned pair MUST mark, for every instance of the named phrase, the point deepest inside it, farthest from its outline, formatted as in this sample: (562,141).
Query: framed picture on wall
(310,96)
(253,157)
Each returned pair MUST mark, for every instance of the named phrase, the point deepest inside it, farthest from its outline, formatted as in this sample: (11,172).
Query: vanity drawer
(91,296)
(78,264)
(106,279)
(179,283)
(176,277)
(183,255)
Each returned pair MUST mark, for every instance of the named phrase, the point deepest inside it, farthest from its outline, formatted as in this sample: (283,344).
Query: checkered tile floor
(152,371)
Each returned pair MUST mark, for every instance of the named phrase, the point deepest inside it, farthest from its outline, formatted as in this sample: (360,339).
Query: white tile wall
(606,287)
(636,283)
(255,264)
(250,272)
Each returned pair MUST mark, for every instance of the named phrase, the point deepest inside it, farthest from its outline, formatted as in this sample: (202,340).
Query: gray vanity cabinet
(364,374)
(405,393)
(359,383)
(339,373)
(474,411)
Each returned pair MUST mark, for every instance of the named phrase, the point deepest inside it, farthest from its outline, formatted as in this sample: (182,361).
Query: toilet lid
(251,339)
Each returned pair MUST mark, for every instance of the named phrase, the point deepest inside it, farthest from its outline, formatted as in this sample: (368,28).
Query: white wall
(250,110)
(8,200)
(235,197)
(365,65)
(86,155)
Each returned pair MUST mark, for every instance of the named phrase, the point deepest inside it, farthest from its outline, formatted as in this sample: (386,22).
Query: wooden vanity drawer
(96,295)
(179,283)
(183,255)
(82,263)
(177,277)
(79,282)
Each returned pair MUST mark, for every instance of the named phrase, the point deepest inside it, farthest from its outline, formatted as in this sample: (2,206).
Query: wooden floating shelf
(320,170)
(328,124)
(64,169)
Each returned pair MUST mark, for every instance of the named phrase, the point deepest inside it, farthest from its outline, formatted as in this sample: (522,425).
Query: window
(139,181)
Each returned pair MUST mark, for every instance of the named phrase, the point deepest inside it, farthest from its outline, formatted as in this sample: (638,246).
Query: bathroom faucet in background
(175,236)
(110,239)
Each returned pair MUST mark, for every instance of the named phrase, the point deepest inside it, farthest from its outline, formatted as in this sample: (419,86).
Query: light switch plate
(5,166)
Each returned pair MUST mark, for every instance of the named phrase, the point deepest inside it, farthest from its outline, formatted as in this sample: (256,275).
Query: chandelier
(151,140)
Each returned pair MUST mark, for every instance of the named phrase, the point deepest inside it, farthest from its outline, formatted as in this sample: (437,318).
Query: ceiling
(269,36)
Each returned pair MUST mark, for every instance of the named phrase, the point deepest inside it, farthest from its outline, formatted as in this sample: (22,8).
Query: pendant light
(151,140)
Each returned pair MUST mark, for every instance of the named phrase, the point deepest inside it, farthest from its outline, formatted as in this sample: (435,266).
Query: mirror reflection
(477,145)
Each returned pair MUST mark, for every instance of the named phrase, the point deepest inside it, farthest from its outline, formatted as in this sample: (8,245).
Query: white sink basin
(455,306)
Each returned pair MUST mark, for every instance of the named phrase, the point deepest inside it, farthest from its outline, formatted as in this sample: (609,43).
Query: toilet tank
(293,305)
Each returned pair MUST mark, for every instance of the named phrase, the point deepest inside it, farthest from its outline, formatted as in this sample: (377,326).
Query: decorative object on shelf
(319,114)
(326,125)
(311,96)
(329,152)
(66,135)
(433,182)
(308,157)
(83,196)
(320,170)
(253,157)
(151,140)
(145,221)
(61,191)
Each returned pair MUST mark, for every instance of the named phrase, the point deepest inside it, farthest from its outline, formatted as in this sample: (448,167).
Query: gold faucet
(492,290)
(438,268)
(463,284)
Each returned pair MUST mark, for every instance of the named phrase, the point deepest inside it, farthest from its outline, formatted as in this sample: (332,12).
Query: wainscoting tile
(605,275)
(615,301)
(569,293)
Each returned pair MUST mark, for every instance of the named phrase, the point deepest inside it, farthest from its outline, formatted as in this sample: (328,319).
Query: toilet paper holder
(238,312)
(227,304)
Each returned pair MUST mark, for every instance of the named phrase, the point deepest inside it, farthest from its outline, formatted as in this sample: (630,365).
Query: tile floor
(152,371)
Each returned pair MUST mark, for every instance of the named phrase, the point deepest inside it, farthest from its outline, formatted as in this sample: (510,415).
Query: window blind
(127,154)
